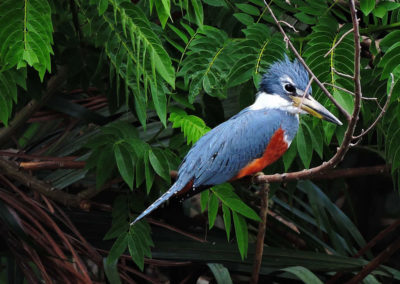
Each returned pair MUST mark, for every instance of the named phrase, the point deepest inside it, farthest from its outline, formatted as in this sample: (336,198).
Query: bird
(252,139)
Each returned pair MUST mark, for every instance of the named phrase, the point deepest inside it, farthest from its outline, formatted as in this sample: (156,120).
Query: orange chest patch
(274,150)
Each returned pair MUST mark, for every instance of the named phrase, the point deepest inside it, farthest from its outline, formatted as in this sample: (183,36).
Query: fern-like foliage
(136,54)
(9,80)
(260,48)
(340,59)
(193,127)
(26,35)
(209,59)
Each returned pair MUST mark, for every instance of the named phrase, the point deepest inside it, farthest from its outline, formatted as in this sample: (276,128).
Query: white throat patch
(273,101)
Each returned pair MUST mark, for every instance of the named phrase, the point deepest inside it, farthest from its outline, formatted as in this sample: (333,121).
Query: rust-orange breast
(274,150)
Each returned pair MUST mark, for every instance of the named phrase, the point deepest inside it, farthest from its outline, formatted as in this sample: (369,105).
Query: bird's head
(288,81)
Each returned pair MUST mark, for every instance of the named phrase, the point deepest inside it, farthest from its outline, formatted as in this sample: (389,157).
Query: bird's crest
(295,71)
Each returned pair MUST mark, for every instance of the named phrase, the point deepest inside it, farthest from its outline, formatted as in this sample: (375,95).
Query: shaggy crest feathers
(271,81)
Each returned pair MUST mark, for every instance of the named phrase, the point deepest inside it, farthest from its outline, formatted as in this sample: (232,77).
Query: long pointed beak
(311,106)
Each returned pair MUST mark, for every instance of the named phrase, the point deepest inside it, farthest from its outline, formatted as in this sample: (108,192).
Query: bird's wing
(220,154)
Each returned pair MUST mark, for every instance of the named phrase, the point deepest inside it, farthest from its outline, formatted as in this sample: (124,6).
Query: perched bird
(252,139)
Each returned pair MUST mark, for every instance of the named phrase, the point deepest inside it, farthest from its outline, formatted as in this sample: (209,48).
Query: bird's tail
(174,189)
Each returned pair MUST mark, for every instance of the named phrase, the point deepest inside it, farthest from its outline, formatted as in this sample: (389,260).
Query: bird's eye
(290,88)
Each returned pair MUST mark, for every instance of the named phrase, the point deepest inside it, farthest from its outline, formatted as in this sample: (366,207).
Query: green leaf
(118,248)
(163,10)
(192,126)
(229,198)
(379,11)
(245,19)
(204,197)
(102,6)
(367,6)
(125,163)
(241,234)
(303,274)
(220,273)
(148,172)
(159,163)
(227,220)
(111,270)
(304,147)
(104,166)
(248,9)
(26,35)
(212,210)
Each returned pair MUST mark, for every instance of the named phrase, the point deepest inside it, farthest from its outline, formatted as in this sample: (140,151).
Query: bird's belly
(274,150)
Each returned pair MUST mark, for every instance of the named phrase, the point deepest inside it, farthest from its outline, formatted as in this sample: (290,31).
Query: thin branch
(305,93)
(289,25)
(339,41)
(339,88)
(338,157)
(289,43)
(44,165)
(169,227)
(382,257)
(264,194)
(385,107)
(342,74)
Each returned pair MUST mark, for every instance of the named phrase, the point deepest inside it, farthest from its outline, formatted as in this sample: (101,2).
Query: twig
(367,247)
(338,42)
(338,157)
(289,25)
(264,194)
(24,114)
(339,88)
(289,43)
(44,165)
(381,113)
(169,227)
(342,74)
(305,92)
(382,257)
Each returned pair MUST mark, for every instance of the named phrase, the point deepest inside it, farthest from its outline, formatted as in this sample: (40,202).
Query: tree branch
(264,194)
(338,42)
(382,257)
(338,157)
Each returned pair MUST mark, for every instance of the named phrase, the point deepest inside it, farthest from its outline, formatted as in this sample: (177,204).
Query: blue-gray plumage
(252,139)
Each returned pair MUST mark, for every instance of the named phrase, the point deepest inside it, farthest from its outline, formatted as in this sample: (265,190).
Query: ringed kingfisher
(252,139)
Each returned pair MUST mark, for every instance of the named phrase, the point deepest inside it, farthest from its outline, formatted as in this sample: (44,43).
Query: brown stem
(44,165)
(338,42)
(367,247)
(338,157)
(264,193)
(382,257)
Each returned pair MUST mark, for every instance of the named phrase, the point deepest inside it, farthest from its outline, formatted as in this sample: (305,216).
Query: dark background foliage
(100,101)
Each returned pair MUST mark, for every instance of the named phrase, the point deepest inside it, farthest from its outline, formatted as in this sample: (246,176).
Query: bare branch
(289,43)
(264,194)
(339,88)
(338,42)
(338,157)
(381,258)
(289,25)
(342,74)
(381,113)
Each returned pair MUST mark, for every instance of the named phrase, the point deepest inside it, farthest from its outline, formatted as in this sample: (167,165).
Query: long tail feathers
(174,189)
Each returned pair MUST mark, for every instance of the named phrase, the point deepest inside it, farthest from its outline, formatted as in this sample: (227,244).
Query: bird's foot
(254,177)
